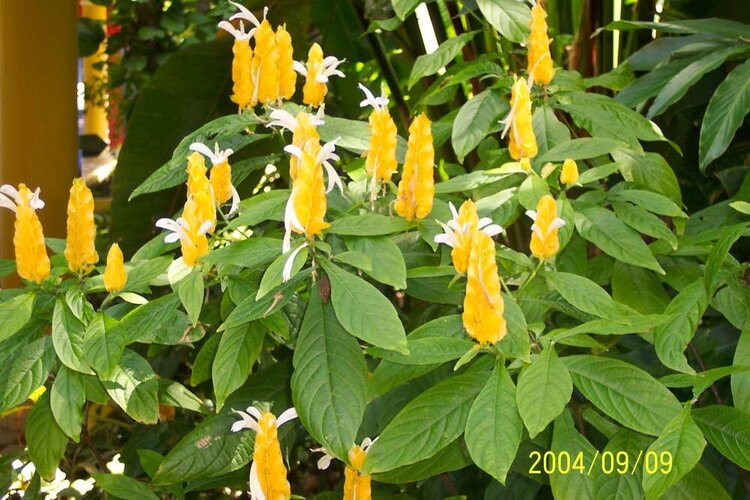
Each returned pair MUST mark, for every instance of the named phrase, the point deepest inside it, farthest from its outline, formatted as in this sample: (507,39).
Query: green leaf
(597,173)
(355,259)
(363,311)
(354,135)
(648,85)
(205,360)
(452,457)
(510,18)
(103,344)
(426,424)
(549,131)
(584,294)
(429,64)
(328,384)
(728,430)
(624,392)
(574,484)
(190,291)
(494,428)
(25,371)
(653,202)
(368,225)
(683,440)
(617,79)
(45,441)
(172,393)
(476,118)
(67,397)
(261,207)
(671,338)
(251,309)
(388,261)
(638,288)
(531,190)
(7,267)
(602,116)
(544,388)
(719,254)
(142,323)
(124,487)
(651,171)
(616,485)
(742,207)
(133,386)
(426,351)
(698,484)
(68,335)
(516,343)
(403,8)
(678,86)
(602,228)
(272,278)
(250,253)
(581,149)
(14,314)
(645,222)
(725,113)
(238,351)
(741,380)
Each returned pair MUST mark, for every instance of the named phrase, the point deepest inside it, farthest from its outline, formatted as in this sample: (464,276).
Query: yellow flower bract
(356,486)
(199,188)
(115,274)
(80,249)
(569,174)
(269,463)
(544,240)
(32,262)
(522,140)
(314,92)
(483,304)
(540,65)
(417,187)
(244,87)
(381,157)
(309,193)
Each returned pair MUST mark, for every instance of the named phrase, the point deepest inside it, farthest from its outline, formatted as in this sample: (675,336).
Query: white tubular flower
(325,156)
(9,198)
(291,222)
(249,418)
(370,99)
(283,118)
(238,34)
(179,229)
(246,14)
(286,272)
(300,68)
(325,461)
(556,223)
(330,64)
(217,156)
(115,466)
(449,235)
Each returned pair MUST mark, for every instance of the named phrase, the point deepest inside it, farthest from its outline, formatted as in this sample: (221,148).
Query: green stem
(532,275)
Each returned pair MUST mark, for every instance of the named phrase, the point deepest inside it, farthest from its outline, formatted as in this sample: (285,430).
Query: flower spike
(32,262)
(459,232)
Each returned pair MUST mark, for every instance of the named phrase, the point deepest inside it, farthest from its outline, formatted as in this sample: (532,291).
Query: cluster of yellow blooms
(269,73)
(416,189)
(539,60)
(32,261)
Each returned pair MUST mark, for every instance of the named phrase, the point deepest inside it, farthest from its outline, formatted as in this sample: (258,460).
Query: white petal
(237,34)
(244,13)
(317,120)
(300,68)
(493,229)
(282,118)
(324,462)
(255,412)
(205,227)
(286,272)
(11,192)
(256,491)
(453,210)
(6,202)
(172,237)
(286,416)
(484,221)
(202,149)
(133,298)
(286,243)
(293,150)
(333,178)
(247,422)
(531,214)
(36,202)
(367,442)
(557,223)
(235,201)
(370,99)
(445,238)
(168,224)
(332,61)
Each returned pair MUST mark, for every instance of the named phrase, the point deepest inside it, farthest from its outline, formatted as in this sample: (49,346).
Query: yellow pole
(95,77)
(38,116)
